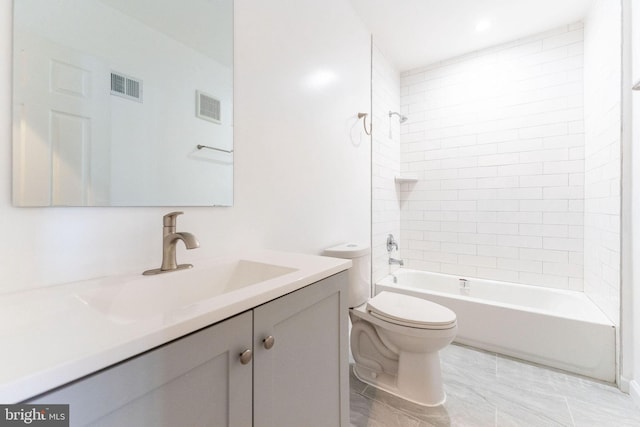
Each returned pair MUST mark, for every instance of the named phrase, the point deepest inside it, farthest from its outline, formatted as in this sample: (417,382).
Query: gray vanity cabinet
(200,380)
(197,380)
(303,379)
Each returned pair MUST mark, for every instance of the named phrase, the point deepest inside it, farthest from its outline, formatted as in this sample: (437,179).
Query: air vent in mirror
(207,107)
(126,87)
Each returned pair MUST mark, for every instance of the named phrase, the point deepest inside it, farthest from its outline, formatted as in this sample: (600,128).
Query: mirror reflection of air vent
(207,107)
(126,87)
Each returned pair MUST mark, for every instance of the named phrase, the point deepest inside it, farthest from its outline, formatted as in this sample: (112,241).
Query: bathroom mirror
(123,103)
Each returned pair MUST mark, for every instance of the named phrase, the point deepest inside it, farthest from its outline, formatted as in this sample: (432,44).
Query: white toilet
(395,338)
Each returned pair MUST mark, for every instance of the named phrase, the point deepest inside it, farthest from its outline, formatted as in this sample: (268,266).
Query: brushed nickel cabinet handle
(246,356)
(269,342)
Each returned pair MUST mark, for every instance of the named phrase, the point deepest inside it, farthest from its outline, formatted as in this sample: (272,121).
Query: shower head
(400,116)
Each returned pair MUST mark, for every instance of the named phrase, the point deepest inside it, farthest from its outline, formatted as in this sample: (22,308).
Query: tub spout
(465,286)
(396,261)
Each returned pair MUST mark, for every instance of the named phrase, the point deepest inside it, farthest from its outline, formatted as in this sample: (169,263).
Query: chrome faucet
(391,245)
(169,240)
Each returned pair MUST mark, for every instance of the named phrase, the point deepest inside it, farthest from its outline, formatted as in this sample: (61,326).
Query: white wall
(385,163)
(631,304)
(602,156)
(496,139)
(302,175)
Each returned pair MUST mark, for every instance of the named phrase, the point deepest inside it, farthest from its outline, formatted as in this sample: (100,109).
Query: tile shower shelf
(406,178)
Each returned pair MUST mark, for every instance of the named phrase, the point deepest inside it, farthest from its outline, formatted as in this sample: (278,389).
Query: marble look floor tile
(463,407)
(437,415)
(484,389)
(354,383)
(603,407)
(467,364)
(535,377)
(366,412)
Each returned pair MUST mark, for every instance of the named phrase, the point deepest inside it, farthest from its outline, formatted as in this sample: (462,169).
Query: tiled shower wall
(496,141)
(385,159)
(602,155)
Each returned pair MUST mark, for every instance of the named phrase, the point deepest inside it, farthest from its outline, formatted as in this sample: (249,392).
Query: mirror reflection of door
(61,119)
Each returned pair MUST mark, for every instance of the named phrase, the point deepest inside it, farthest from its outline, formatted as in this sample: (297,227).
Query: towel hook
(364,122)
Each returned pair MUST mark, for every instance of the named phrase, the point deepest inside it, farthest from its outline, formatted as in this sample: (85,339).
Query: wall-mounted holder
(636,86)
(364,122)
(200,147)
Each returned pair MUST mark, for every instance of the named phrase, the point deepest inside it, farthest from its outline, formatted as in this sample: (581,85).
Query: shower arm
(401,118)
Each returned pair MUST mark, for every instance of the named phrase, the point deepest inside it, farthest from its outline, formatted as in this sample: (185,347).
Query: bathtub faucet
(396,261)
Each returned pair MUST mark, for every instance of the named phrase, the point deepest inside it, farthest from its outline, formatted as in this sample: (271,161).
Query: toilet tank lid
(347,250)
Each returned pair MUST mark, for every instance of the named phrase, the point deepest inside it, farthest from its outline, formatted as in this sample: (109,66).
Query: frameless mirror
(123,103)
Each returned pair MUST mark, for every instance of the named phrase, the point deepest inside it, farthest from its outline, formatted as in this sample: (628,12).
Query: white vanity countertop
(51,336)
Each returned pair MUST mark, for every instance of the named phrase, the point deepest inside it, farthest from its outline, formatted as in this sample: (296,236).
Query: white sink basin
(174,293)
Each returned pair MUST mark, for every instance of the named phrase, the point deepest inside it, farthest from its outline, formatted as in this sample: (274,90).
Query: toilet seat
(410,311)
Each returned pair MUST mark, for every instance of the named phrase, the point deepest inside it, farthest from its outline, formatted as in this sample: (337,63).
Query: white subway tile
(479,172)
(544,255)
(520,265)
(477,261)
(544,180)
(498,205)
(459,270)
(564,39)
(459,227)
(570,166)
(459,248)
(502,166)
(521,169)
(477,239)
(520,193)
(520,217)
(544,205)
(497,228)
(497,274)
(544,230)
(516,145)
(534,242)
(562,269)
(499,159)
(477,194)
(569,218)
(558,282)
(543,131)
(499,183)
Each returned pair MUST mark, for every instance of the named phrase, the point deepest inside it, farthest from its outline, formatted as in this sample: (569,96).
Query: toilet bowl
(395,338)
(399,354)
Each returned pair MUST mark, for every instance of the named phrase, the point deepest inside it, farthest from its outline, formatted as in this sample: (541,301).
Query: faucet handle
(169,220)
(391,243)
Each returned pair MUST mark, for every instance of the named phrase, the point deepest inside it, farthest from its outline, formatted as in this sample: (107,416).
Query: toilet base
(388,383)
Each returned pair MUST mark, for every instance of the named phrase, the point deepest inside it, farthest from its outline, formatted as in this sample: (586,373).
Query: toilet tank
(359,273)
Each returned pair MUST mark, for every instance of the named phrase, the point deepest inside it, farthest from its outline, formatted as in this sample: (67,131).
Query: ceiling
(414,33)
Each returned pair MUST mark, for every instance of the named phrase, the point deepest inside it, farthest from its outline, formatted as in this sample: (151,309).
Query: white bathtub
(561,329)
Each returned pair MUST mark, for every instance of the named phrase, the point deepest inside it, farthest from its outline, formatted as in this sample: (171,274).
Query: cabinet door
(197,380)
(303,379)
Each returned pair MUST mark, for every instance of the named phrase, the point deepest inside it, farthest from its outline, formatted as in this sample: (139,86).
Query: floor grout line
(573,422)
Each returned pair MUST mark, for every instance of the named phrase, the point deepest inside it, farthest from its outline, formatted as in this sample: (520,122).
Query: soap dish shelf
(406,179)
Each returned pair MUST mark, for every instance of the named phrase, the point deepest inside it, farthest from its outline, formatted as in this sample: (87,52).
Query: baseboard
(634,392)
